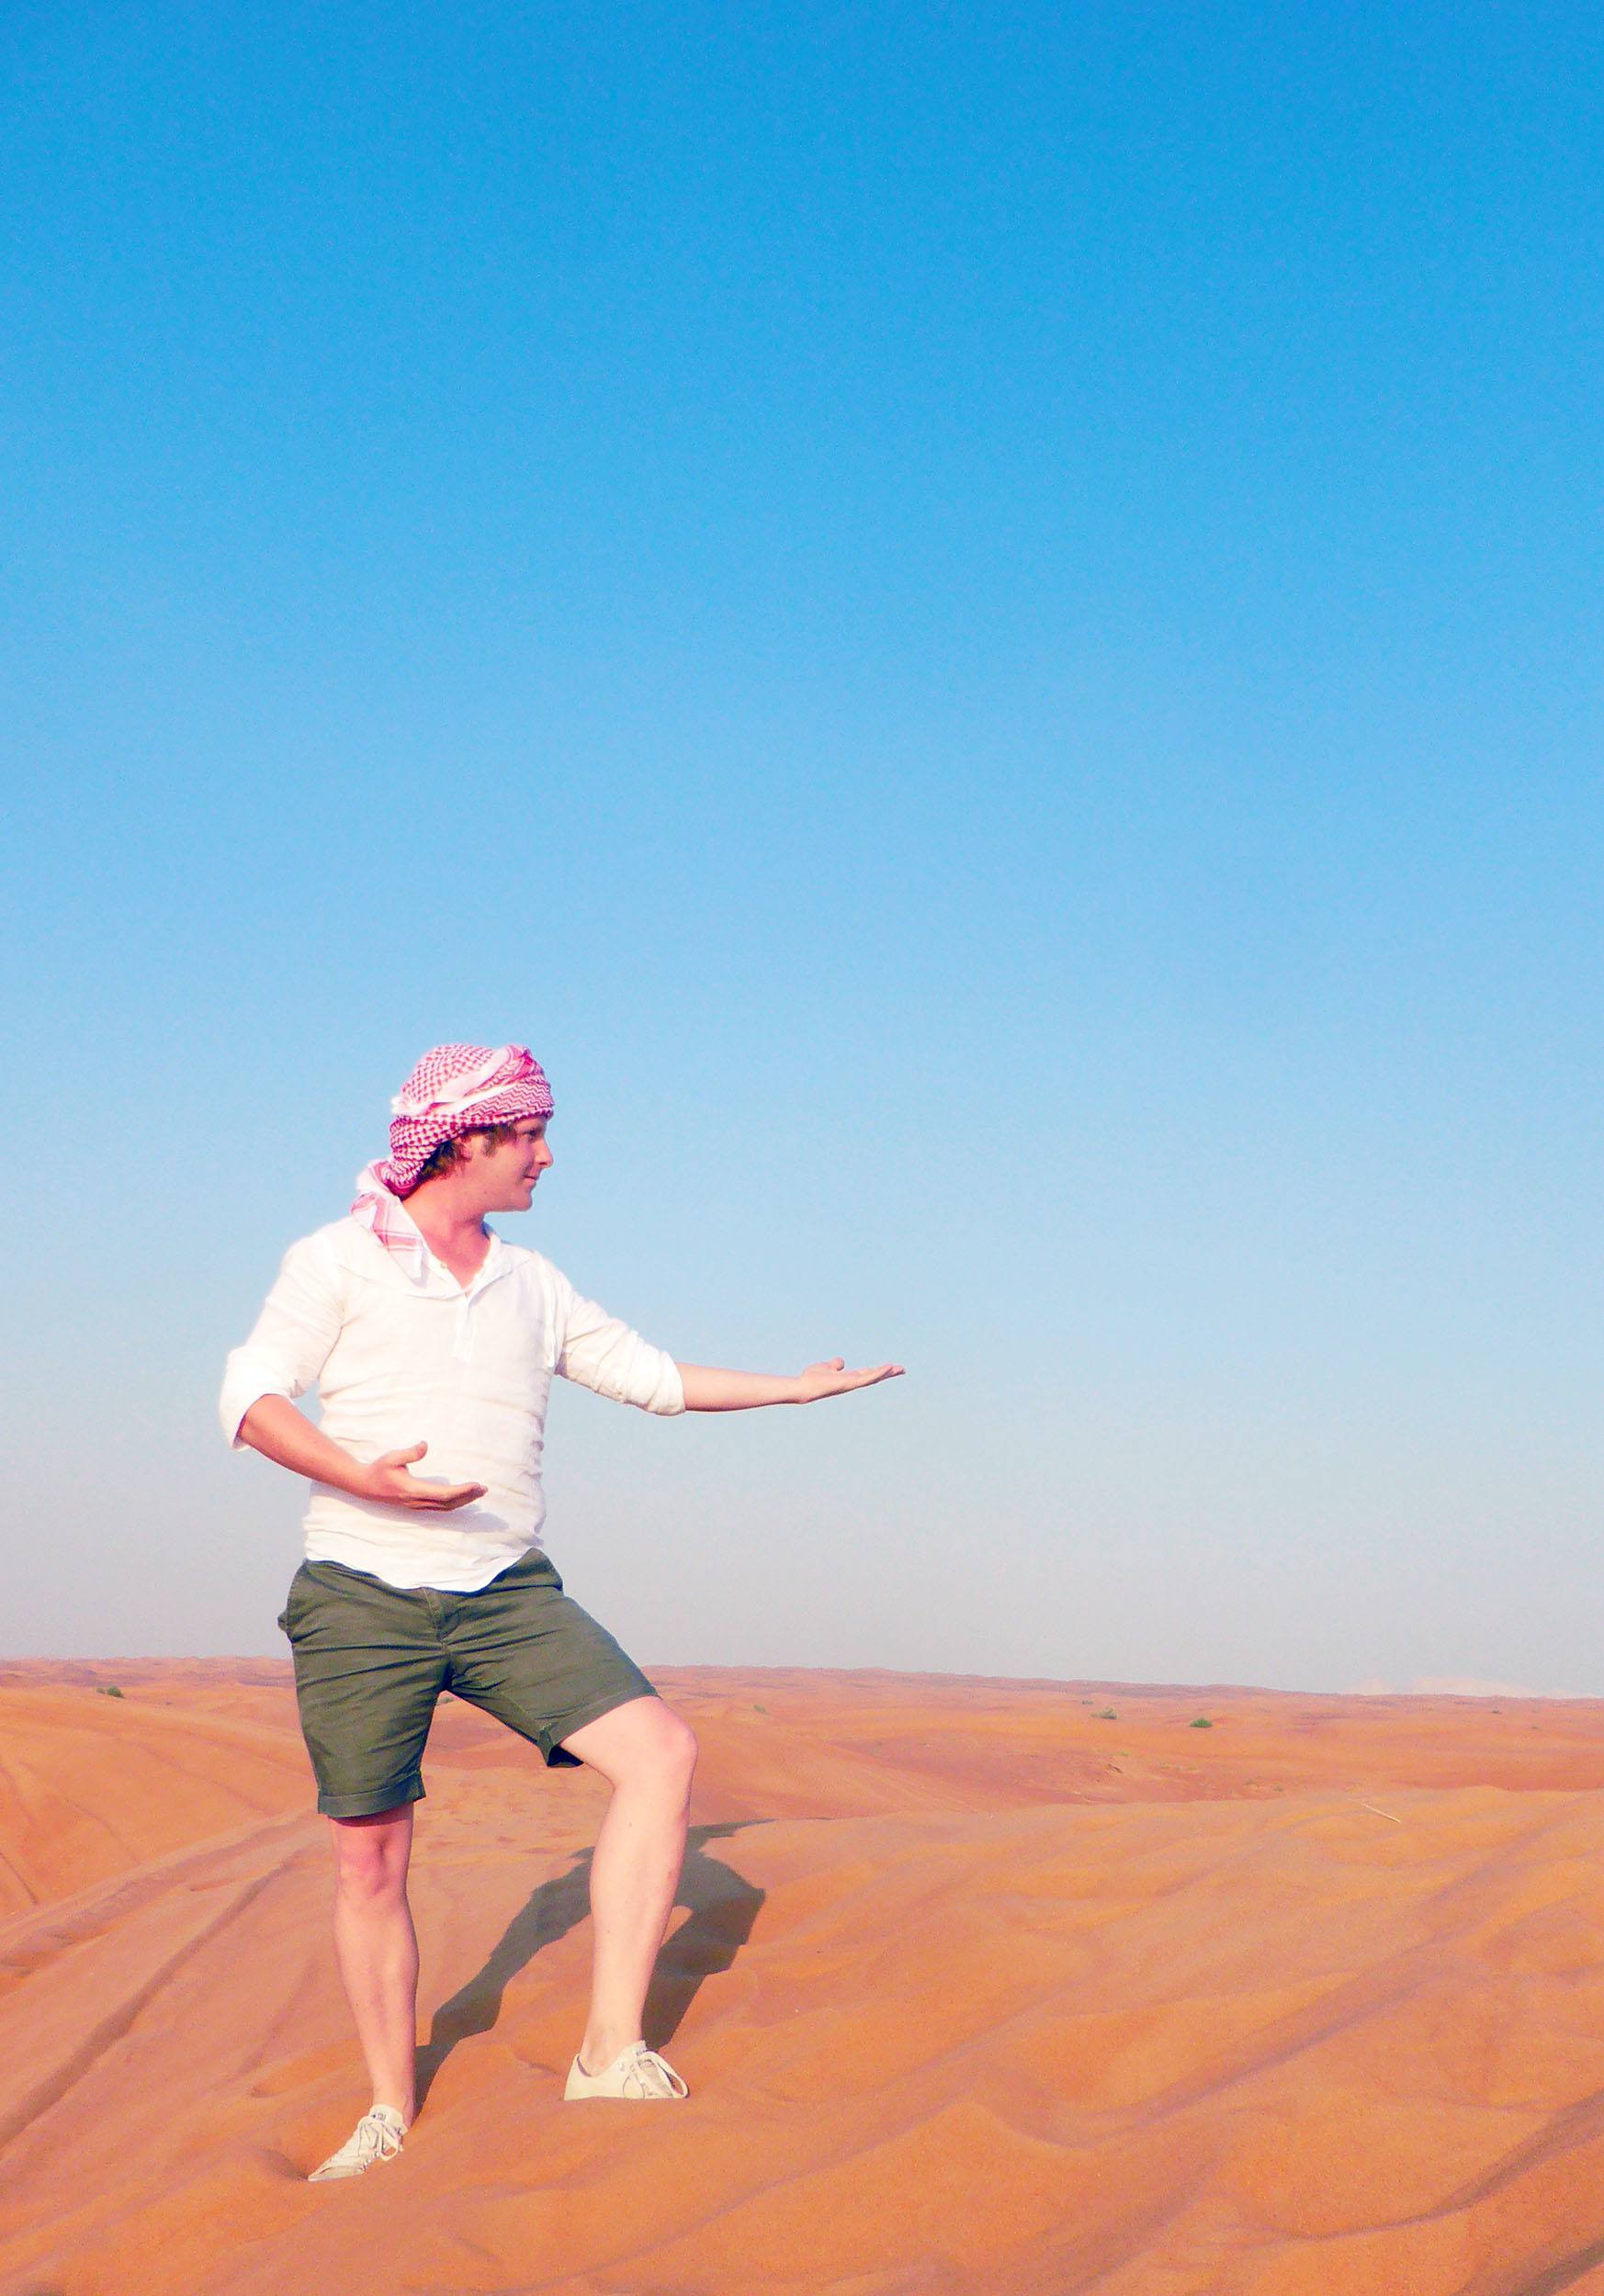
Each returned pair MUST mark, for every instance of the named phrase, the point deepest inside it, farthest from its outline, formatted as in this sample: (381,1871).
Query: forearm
(283,1435)
(710,1389)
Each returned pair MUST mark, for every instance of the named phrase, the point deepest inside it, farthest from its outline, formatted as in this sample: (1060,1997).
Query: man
(431,1339)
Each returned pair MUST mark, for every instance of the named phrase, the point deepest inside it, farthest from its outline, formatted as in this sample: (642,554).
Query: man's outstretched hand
(387,1480)
(820,1380)
(707,1389)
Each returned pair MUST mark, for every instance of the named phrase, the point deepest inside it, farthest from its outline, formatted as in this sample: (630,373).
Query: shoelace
(654,2076)
(375,2137)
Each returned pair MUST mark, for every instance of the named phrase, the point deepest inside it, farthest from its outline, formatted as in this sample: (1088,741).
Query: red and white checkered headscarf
(455,1088)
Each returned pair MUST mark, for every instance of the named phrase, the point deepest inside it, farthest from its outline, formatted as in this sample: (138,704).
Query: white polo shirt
(401,1358)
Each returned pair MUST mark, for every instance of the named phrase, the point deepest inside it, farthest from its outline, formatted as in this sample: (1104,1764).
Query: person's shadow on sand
(723,1907)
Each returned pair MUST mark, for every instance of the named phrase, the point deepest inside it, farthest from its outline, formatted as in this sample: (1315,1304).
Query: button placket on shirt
(486,1273)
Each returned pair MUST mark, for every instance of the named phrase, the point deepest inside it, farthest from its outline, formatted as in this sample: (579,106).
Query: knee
(646,1748)
(674,1754)
(685,1750)
(365,1874)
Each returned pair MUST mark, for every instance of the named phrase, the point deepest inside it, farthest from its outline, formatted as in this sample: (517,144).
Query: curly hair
(447,1154)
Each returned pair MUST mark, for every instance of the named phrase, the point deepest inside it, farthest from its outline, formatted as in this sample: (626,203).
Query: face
(508,1169)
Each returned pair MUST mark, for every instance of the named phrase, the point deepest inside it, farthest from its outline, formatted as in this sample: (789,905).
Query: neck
(448,1217)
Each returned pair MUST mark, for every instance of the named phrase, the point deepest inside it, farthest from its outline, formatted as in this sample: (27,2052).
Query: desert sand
(979,1985)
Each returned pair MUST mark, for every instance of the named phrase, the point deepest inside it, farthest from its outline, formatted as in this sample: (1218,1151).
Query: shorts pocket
(287,1615)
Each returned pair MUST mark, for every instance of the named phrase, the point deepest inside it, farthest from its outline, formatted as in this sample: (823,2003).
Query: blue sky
(983,626)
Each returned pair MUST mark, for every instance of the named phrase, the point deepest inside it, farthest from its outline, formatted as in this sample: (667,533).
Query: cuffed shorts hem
(371,1804)
(549,1739)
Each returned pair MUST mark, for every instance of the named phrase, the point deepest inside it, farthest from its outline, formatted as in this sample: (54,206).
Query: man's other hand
(388,1481)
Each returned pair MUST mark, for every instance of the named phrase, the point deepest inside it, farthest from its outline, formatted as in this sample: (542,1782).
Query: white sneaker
(637,2072)
(377,2137)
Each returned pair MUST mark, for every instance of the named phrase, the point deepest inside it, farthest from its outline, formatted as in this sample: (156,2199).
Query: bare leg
(377,1947)
(648,1756)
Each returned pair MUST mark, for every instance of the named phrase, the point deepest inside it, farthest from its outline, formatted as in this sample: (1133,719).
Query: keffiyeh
(455,1088)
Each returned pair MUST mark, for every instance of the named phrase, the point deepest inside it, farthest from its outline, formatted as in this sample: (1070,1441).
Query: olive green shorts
(371,1661)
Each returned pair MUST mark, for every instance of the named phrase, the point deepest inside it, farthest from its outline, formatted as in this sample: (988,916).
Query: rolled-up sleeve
(298,1326)
(601,1353)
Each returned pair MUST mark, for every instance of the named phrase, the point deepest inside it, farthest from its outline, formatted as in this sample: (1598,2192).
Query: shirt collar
(386,1218)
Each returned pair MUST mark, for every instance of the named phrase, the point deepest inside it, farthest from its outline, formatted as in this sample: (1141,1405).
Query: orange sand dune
(91,1785)
(980,1985)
